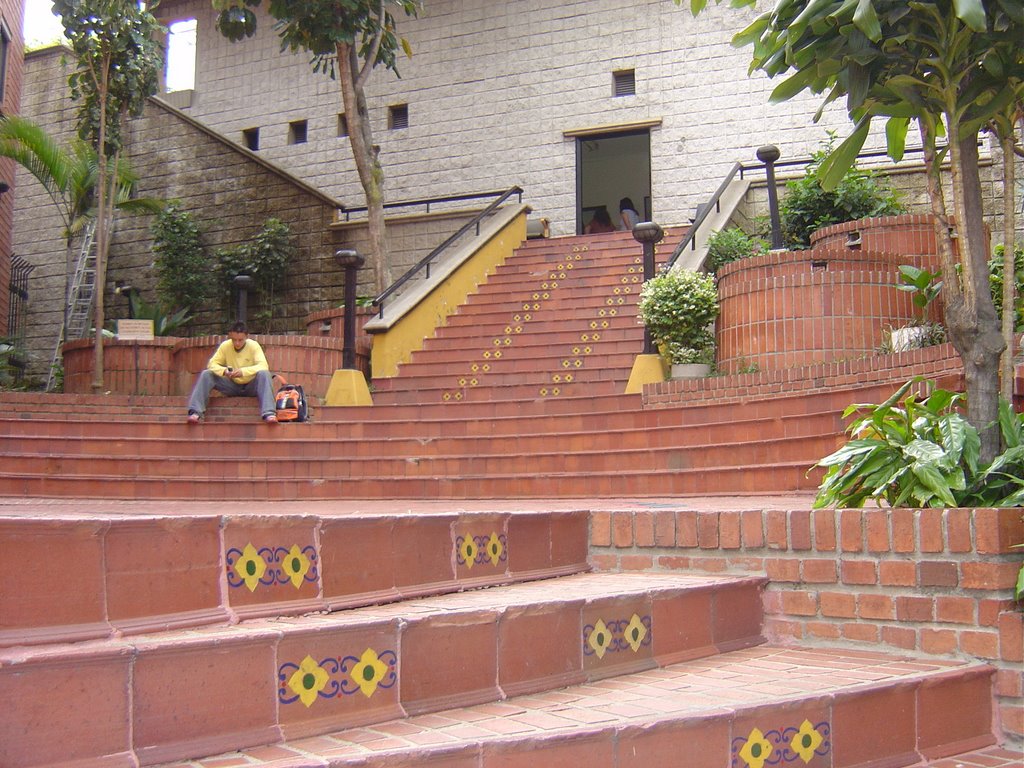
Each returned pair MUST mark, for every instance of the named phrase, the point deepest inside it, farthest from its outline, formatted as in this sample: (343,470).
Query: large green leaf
(971,13)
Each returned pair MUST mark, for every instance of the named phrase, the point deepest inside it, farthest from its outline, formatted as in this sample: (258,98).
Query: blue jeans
(261,387)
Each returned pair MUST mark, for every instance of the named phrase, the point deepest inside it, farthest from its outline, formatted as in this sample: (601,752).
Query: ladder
(79,300)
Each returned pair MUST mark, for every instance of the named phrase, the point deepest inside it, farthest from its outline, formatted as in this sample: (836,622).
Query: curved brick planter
(167,366)
(796,308)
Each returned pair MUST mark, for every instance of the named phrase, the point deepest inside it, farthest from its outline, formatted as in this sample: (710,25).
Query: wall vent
(251,139)
(624,82)
(298,132)
(398,116)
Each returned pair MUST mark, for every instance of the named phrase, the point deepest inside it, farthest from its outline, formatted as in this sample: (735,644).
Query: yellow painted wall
(406,335)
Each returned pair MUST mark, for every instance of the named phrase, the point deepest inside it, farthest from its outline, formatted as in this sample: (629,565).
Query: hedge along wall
(931,581)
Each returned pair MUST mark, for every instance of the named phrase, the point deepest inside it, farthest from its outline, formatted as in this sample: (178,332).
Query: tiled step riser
(544,317)
(456,393)
(876,725)
(166,698)
(565,295)
(613,432)
(738,480)
(426,464)
(74,580)
(580,453)
(523,350)
(496,375)
(470,346)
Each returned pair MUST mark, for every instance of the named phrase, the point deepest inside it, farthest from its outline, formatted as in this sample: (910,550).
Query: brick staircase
(342,593)
(538,359)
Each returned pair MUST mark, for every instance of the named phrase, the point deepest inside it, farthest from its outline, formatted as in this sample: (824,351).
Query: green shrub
(678,308)
(728,245)
(182,266)
(807,207)
(265,259)
(912,452)
(995,279)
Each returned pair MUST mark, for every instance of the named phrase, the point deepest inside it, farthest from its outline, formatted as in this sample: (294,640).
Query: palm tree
(69,174)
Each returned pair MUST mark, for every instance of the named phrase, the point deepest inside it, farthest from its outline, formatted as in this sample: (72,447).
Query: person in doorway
(602,222)
(630,218)
(238,369)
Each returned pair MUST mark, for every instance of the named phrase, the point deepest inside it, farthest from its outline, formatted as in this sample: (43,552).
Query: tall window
(5,47)
(181,56)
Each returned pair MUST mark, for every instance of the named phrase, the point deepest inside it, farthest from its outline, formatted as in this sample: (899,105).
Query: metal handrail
(740,168)
(715,202)
(426,201)
(425,262)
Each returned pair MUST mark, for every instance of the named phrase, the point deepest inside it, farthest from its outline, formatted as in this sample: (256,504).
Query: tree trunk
(99,317)
(365,154)
(971,321)
(1009,266)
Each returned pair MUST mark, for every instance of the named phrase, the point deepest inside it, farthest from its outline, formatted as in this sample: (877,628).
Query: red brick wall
(168,366)
(939,363)
(932,581)
(788,309)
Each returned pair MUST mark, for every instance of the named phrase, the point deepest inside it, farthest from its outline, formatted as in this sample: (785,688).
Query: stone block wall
(931,581)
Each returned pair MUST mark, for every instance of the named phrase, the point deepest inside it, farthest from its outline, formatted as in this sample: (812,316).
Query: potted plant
(678,308)
(924,286)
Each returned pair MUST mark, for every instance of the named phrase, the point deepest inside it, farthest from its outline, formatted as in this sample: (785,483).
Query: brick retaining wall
(932,581)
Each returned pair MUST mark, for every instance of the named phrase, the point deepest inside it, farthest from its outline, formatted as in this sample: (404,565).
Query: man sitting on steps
(238,369)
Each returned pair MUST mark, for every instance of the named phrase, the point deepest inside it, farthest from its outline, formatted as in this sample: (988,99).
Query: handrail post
(242,283)
(350,261)
(648,234)
(768,155)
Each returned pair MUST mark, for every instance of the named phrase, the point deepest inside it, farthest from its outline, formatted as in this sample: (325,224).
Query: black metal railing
(425,202)
(689,240)
(423,265)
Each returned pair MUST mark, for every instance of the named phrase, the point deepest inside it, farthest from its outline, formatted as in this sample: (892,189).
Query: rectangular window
(398,116)
(342,126)
(181,56)
(298,131)
(624,82)
(5,47)
(251,139)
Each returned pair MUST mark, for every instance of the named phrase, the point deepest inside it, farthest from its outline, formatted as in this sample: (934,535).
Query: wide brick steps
(759,706)
(177,694)
(108,574)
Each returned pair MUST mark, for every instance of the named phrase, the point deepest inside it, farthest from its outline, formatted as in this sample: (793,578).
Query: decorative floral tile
(783,746)
(616,636)
(253,568)
(336,676)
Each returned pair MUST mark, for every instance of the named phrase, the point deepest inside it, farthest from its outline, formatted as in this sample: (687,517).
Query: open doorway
(609,167)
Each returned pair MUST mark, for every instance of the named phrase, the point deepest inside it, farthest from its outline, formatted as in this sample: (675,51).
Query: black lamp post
(648,234)
(243,283)
(350,261)
(768,155)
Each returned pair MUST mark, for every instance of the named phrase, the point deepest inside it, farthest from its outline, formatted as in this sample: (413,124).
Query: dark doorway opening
(609,167)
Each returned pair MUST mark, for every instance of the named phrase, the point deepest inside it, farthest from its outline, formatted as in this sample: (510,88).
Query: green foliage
(68,173)
(182,266)
(265,259)
(729,245)
(117,63)
(995,279)
(677,308)
(9,372)
(807,206)
(916,452)
(165,321)
(317,26)
(921,283)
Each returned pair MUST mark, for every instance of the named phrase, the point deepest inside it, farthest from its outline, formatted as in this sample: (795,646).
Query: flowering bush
(678,309)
